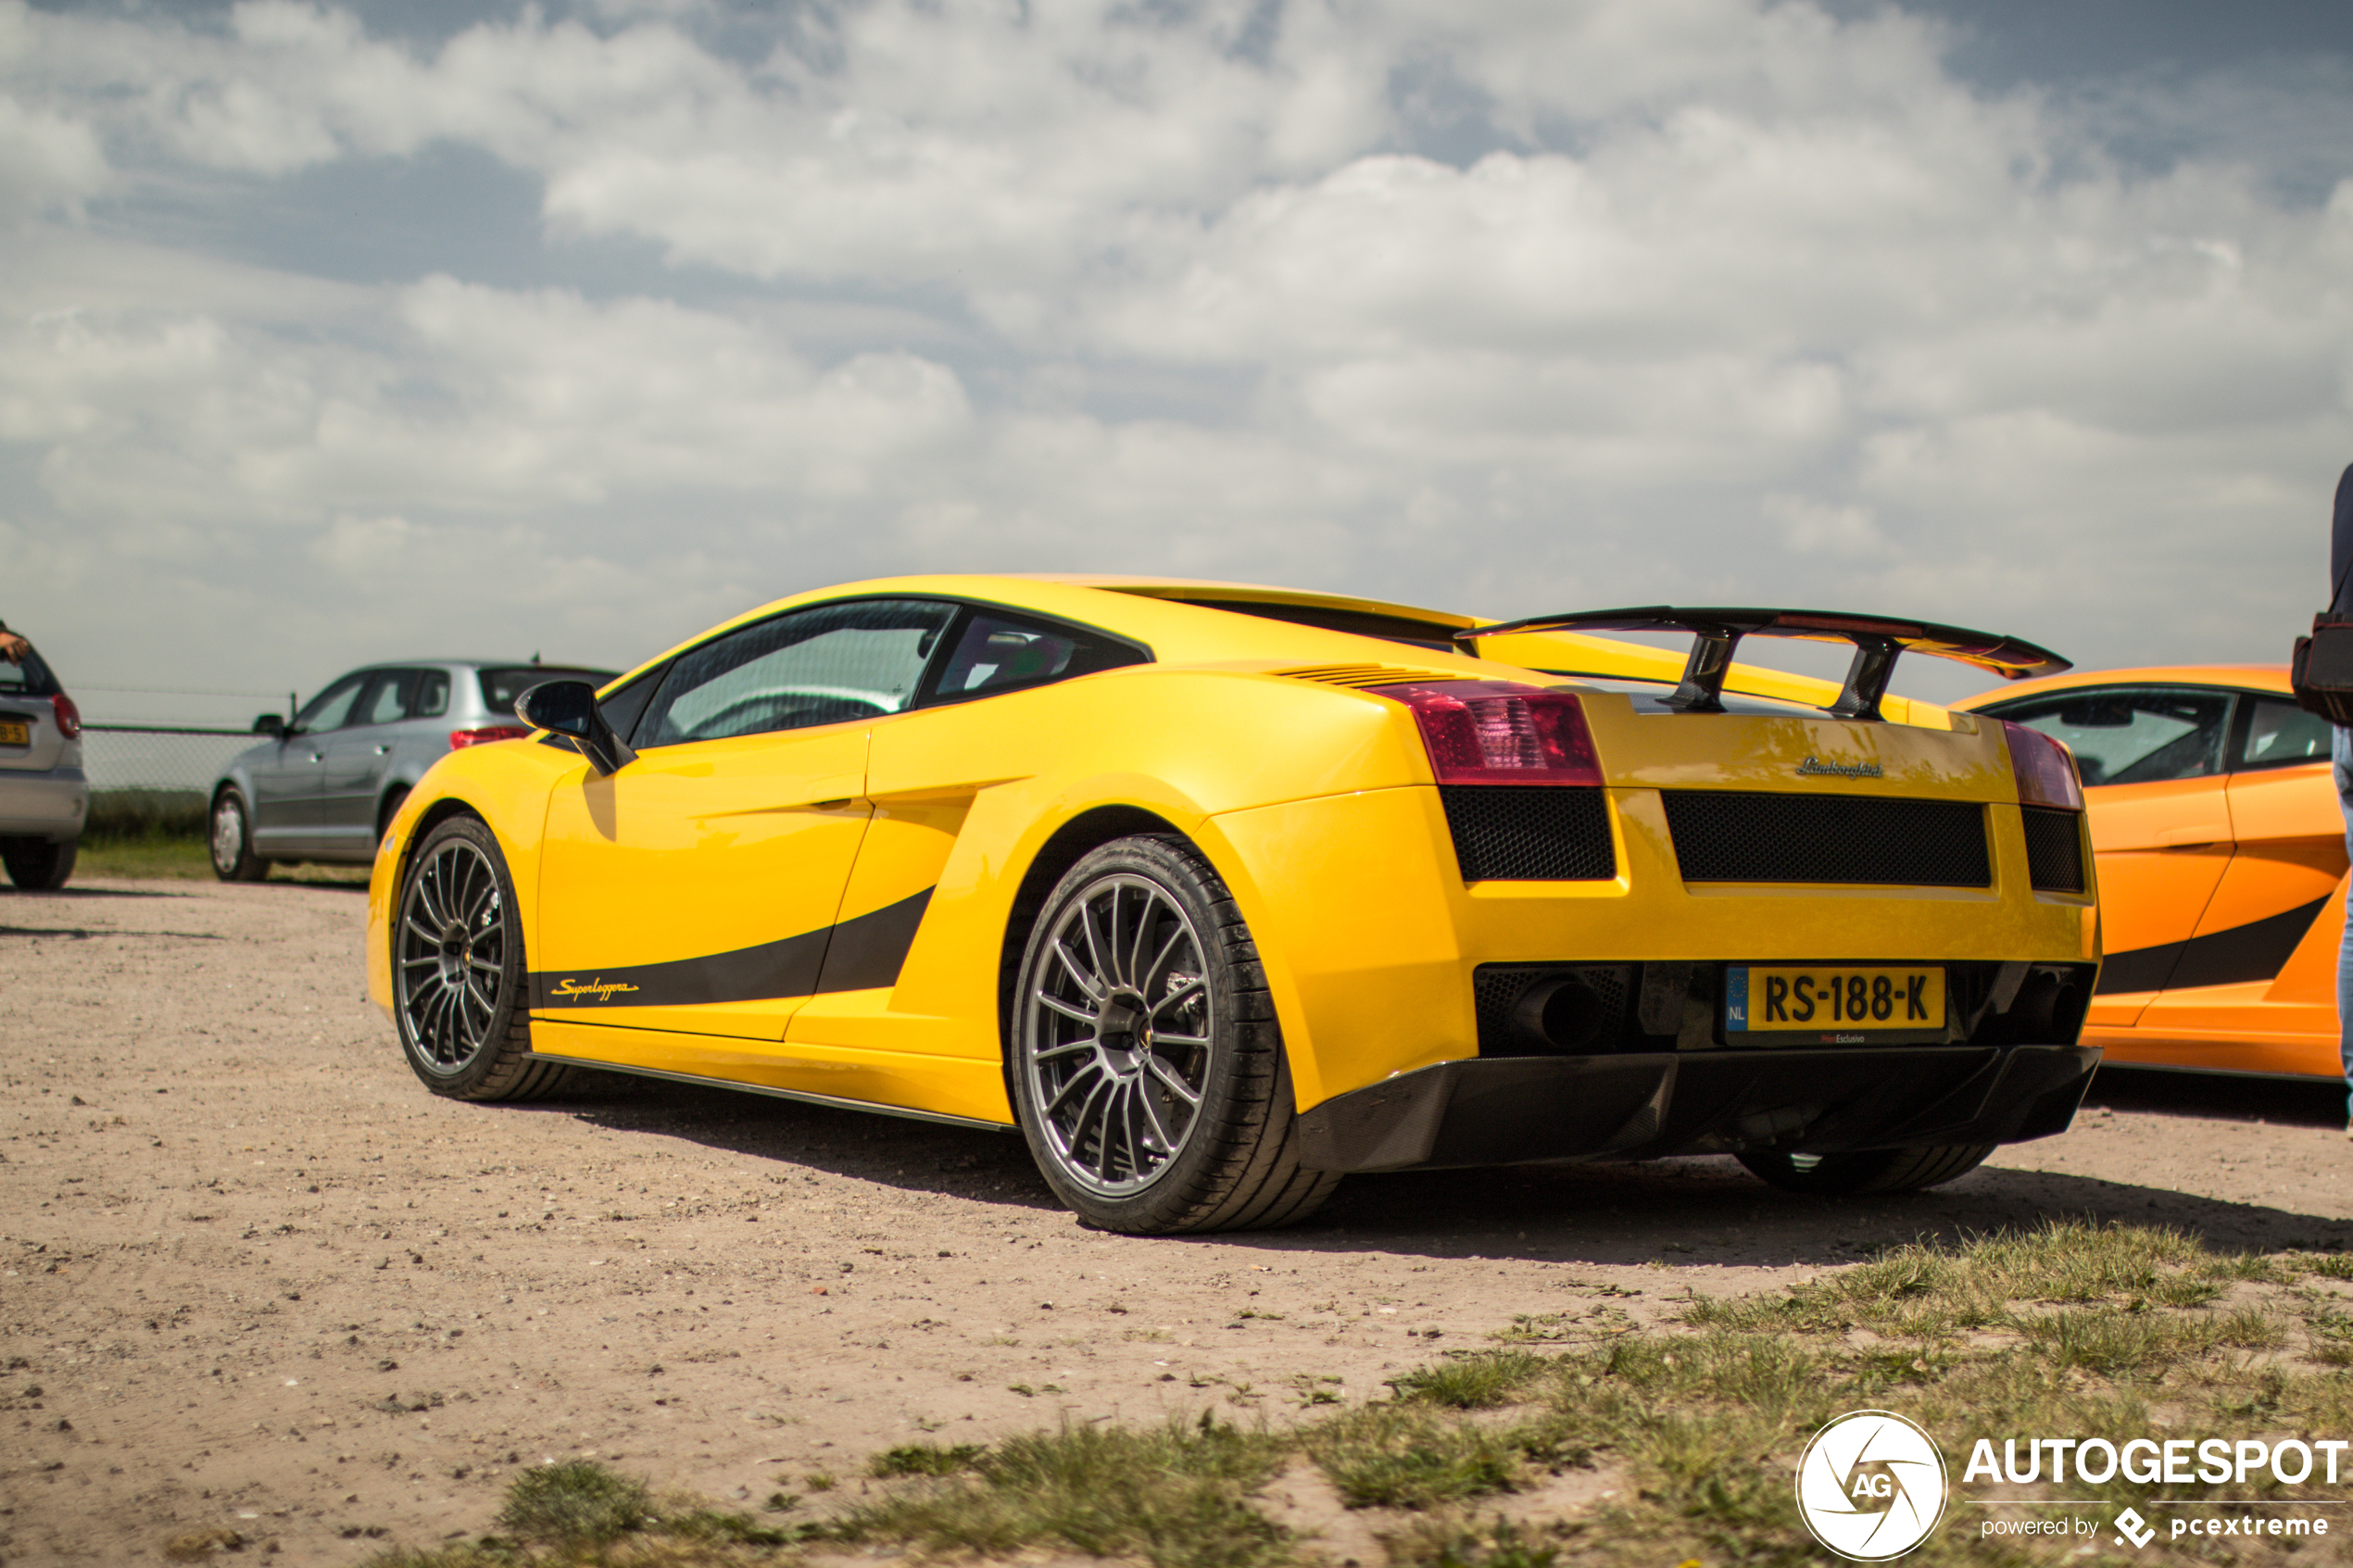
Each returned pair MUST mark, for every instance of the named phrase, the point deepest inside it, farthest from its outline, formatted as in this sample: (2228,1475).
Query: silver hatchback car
(322,787)
(44,797)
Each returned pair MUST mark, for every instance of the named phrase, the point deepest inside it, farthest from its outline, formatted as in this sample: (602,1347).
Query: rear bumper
(1516,1111)
(50,805)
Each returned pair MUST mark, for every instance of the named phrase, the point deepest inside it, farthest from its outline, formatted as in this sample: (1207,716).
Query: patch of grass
(1474,1382)
(1408,1455)
(158,858)
(1497,1544)
(169,857)
(1176,1495)
(578,1502)
(925,1458)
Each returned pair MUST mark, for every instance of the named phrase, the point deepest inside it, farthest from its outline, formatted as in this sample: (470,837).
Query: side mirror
(271,725)
(569,708)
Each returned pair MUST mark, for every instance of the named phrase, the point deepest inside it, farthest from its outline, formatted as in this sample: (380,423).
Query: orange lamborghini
(2221,856)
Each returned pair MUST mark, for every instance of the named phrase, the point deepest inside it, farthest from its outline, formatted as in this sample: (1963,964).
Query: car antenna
(534,656)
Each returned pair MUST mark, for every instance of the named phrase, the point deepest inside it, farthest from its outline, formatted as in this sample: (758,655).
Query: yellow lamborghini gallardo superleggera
(1218,893)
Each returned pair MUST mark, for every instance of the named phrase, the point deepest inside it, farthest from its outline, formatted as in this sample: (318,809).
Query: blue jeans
(2341,753)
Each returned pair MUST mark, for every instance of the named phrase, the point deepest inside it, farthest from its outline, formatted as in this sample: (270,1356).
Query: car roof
(1152,610)
(2237,677)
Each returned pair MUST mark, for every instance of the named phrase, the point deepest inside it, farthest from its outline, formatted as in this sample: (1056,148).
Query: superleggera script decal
(856,955)
(596,990)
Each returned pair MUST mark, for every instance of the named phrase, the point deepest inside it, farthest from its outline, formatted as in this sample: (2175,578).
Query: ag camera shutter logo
(1871,1486)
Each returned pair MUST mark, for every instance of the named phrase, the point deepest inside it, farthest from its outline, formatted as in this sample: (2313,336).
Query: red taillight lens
(68,716)
(2046,769)
(482,733)
(1496,732)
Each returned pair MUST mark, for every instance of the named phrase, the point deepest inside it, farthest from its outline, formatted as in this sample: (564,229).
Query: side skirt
(833,1102)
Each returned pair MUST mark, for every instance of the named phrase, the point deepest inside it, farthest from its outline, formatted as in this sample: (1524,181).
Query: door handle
(317,757)
(383,750)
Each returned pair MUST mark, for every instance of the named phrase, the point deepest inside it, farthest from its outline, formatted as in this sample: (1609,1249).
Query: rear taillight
(2046,769)
(68,716)
(480,735)
(1496,732)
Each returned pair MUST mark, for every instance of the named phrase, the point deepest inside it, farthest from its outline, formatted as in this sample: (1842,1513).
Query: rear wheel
(37,864)
(458,973)
(1149,1071)
(233,856)
(1877,1169)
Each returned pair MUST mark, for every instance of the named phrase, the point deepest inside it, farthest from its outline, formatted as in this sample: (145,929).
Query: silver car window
(387,699)
(331,707)
(431,696)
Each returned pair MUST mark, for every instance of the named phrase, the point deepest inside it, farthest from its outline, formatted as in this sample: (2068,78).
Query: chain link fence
(155,778)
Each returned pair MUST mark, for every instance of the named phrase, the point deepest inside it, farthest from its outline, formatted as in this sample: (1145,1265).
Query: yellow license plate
(1834,999)
(13,734)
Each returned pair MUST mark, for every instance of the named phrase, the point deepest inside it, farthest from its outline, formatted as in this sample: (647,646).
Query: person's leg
(2341,752)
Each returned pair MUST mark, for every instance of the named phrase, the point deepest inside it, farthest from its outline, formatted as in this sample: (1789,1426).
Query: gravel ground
(257,1279)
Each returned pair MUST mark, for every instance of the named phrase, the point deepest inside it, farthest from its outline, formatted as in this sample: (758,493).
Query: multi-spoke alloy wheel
(458,971)
(452,955)
(1116,1048)
(1148,1069)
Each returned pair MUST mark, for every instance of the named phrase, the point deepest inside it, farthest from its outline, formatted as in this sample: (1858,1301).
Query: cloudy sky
(331,334)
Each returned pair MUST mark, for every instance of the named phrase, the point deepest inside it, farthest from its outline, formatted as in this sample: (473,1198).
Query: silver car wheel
(1114,1040)
(228,835)
(451,956)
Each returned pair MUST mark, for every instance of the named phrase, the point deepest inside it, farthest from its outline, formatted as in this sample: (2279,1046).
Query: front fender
(505,785)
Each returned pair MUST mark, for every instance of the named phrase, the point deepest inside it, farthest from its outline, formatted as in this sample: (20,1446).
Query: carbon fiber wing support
(1878,642)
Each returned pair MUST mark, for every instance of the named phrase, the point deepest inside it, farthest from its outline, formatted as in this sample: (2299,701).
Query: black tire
(1877,1169)
(38,865)
(1141,1127)
(458,974)
(233,856)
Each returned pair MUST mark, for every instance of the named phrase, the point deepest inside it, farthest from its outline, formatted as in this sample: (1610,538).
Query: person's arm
(12,648)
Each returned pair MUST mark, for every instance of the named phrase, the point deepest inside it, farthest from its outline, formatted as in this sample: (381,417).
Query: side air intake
(2054,849)
(1529,834)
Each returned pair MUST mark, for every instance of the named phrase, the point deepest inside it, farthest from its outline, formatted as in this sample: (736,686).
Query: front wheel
(1876,1169)
(1148,1071)
(38,865)
(233,856)
(458,973)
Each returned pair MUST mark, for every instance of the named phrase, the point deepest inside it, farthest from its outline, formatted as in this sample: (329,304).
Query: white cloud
(1727,299)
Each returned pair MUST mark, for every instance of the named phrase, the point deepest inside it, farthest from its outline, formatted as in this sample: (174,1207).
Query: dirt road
(256,1278)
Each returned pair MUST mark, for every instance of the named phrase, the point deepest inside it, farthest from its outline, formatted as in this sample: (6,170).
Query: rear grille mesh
(1529,833)
(2054,849)
(1726,835)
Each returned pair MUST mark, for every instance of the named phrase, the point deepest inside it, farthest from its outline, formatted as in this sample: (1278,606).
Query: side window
(829,664)
(2280,735)
(386,701)
(431,699)
(999,653)
(2132,734)
(625,706)
(331,707)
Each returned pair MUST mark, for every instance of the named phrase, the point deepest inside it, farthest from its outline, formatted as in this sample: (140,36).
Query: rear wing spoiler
(1878,642)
